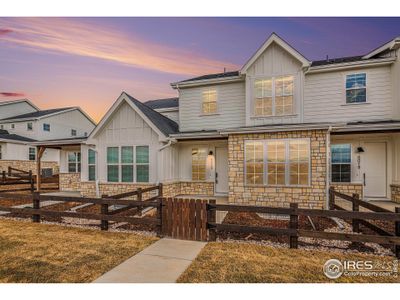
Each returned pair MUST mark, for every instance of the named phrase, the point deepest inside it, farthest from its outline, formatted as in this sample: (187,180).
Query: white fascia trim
(19,101)
(182,136)
(63,142)
(277,128)
(275,38)
(393,44)
(167,109)
(363,127)
(176,85)
(15,142)
(343,66)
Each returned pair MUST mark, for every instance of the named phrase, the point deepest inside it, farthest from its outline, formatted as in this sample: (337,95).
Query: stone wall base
(349,188)
(395,192)
(27,165)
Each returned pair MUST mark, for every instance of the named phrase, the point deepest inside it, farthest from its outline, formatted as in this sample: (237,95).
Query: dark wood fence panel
(185,219)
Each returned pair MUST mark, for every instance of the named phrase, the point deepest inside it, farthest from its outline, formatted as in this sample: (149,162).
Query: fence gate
(184,219)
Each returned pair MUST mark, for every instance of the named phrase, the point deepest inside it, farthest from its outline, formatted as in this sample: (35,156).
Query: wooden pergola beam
(40,151)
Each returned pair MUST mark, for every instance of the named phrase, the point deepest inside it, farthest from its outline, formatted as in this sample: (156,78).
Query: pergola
(51,144)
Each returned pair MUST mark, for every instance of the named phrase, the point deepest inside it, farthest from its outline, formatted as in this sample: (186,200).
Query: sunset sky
(87,62)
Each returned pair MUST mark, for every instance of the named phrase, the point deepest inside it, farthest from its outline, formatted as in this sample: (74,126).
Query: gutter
(174,85)
(170,142)
(277,128)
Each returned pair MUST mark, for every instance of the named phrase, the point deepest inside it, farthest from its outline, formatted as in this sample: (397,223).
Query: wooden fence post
(36,205)
(31,181)
(140,198)
(160,228)
(331,198)
(397,233)
(9,171)
(211,218)
(104,211)
(356,207)
(160,190)
(294,224)
(4,176)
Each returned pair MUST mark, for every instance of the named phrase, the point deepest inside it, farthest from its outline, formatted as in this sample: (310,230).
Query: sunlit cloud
(4,31)
(73,37)
(11,94)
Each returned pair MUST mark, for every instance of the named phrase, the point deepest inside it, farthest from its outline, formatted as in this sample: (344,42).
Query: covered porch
(365,159)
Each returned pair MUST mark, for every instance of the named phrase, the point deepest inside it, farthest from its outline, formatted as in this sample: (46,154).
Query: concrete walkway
(162,262)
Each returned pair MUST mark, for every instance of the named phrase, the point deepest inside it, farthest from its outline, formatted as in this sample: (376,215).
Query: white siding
(169,164)
(124,128)
(173,115)
(14,151)
(230,111)
(275,61)
(14,109)
(325,97)
(395,72)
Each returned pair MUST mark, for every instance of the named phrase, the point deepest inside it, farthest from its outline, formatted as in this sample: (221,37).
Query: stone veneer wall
(27,165)
(395,192)
(314,194)
(348,188)
(71,182)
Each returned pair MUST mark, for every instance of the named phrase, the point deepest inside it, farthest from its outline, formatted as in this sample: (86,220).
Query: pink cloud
(78,38)
(11,94)
(5,31)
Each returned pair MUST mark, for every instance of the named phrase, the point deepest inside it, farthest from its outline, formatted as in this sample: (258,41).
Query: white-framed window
(341,163)
(46,127)
(1,126)
(73,132)
(128,164)
(12,126)
(273,96)
(199,161)
(91,165)
(356,88)
(74,162)
(29,126)
(32,153)
(209,102)
(277,162)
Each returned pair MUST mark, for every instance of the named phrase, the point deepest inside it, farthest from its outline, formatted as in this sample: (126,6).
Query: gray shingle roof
(213,76)
(15,137)
(163,103)
(338,60)
(37,114)
(165,125)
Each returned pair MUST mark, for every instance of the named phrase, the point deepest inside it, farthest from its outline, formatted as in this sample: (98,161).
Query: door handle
(364,182)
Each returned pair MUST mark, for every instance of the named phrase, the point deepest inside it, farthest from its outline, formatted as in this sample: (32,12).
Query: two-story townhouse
(282,129)
(22,124)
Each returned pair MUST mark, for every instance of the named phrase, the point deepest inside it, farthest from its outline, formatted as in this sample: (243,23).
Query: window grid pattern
(254,162)
(209,104)
(356,88)
(341,163)
(91,165)
(199,160)
(32,153)
(74,162)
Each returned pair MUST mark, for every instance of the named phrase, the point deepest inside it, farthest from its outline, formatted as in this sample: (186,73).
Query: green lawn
(31,252)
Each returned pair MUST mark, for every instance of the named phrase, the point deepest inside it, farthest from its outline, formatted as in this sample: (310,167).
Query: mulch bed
(253,219)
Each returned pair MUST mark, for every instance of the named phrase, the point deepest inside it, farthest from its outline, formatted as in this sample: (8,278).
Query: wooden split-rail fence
(195,219)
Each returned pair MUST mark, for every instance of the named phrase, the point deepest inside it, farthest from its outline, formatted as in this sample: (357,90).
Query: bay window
(273,96)
(123,167)
(277,162)
(341,163)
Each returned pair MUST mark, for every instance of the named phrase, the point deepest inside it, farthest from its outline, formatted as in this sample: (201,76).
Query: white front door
(221,170)
(375,170)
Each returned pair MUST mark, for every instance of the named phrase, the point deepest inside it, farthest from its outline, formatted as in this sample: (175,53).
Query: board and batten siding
(124,128)
(230,107)
(325,97)
(273,62)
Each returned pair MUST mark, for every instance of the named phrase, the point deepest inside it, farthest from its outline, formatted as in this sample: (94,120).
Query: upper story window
(341,163)
(32,153)
(12,126)
(209,105)
(46,127)
(1,126)
(199,160)
(273,96)
(29,126)
(73,132)
(356,88)
(278,162)
(74,162)
(128,164)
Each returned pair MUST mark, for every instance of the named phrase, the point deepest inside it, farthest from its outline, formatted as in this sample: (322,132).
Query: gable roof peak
(275,38)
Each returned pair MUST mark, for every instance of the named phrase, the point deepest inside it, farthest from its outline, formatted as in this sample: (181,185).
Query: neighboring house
(281,129)
(22,124)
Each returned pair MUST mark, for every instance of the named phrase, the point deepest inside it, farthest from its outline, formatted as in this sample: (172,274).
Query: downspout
(97,181)
(328,164)
(170,142)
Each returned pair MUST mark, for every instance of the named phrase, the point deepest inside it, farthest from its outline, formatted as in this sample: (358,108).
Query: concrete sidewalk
(163,261)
